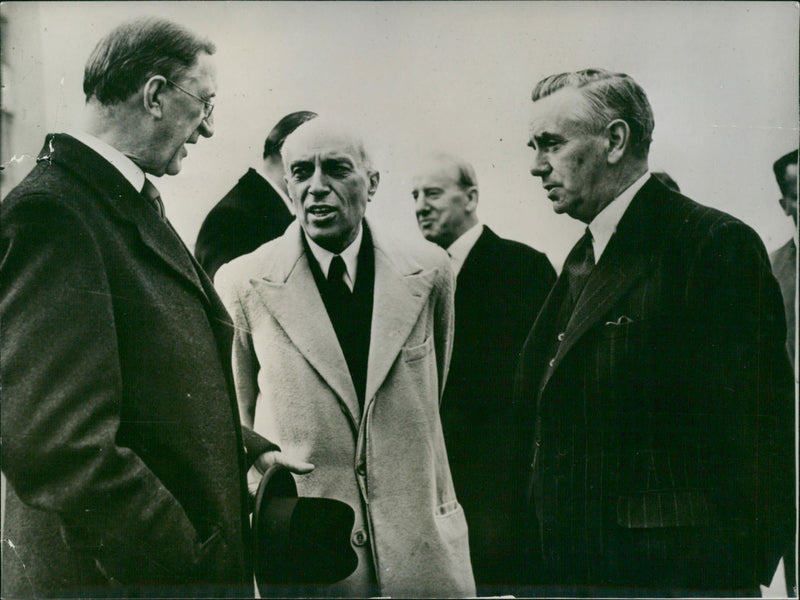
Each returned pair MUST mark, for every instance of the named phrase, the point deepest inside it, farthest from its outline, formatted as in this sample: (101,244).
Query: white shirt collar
(129,169)
(459,249)
(349,256)
(286,200)
(605,223)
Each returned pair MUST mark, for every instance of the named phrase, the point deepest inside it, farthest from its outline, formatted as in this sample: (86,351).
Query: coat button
(361,469)
(359,537)
(561,336)
(552,362)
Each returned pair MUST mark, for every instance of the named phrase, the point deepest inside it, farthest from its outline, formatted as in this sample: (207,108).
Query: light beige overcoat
(388,461)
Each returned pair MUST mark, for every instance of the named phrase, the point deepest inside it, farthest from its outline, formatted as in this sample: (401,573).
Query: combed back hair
(779,168)
(276,137)
(135,51)
(609,96)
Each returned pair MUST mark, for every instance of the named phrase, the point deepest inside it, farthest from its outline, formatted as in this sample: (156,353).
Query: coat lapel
(125,203)
(402,288)
(625,260)
(292,298)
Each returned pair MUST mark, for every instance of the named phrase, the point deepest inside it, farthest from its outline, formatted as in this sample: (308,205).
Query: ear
(152,96)
(472,199)
(374,179)
(786,205)
(618,138)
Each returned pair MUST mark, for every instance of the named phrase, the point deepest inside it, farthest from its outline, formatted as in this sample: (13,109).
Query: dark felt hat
(299,540)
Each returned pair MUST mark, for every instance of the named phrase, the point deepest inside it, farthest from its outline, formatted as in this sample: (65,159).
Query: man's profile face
(329,185)
(570,160)
(789,190)
(183,120)
(440,203)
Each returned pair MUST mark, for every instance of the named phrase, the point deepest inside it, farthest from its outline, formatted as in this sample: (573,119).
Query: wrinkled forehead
(203,73)
(310,143)
(559,112)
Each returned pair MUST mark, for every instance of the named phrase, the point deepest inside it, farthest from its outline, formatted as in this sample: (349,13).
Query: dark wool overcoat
(121,439)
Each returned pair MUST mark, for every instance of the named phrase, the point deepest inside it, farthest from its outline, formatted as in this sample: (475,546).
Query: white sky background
(721,77)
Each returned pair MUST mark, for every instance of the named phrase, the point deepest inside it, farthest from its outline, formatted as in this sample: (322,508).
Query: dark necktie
(336,283)
(579,265)
(150,193)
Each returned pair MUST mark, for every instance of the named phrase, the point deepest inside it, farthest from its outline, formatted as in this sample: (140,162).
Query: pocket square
(623,320)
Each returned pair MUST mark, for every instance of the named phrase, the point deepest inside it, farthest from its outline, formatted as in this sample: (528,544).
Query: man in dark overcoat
(122,446)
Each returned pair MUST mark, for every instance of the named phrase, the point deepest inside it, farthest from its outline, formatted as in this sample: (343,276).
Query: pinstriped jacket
(658,422)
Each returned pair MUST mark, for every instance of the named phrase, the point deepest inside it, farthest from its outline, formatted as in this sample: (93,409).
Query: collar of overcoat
(629,255)
(126,204)
(402,288)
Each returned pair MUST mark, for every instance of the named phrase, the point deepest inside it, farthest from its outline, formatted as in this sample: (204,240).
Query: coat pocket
(451,521)
(413,353)
(663,508)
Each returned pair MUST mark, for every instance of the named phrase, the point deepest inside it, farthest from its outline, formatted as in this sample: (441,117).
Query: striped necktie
(150,193)
(579,265)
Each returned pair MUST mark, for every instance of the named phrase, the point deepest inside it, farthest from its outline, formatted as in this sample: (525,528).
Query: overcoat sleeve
(62,396)
(243,356)
(741,372)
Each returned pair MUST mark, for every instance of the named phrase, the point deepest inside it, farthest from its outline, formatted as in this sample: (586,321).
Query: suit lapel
(401,291)
(625,260)
(292,298)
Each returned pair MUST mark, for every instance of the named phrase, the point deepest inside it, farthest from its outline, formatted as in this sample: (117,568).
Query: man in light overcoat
(343,340)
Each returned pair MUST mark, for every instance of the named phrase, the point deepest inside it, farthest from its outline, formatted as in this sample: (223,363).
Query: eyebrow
(545,138)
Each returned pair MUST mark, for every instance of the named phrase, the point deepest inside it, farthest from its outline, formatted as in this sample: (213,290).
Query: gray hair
(609,96)
(135,51)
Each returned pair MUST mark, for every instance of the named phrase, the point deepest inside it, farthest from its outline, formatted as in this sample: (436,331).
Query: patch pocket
(451,521)
(412,353)
(670,508)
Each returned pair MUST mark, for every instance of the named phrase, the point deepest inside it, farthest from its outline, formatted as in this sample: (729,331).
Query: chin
(172,169)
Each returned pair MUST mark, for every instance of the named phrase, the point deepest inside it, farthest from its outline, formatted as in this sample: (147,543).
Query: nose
(540,166)
(420,205)
(318,185)
(206,127)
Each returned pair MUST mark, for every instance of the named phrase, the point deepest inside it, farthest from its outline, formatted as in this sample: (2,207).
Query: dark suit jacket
(659,450)
(784,266)
(249,215)
(120,429)
(499,291)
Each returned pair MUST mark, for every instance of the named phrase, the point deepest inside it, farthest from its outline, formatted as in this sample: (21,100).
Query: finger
(293,464)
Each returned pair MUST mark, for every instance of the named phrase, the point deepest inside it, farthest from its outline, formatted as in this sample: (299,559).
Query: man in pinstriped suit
(654,389)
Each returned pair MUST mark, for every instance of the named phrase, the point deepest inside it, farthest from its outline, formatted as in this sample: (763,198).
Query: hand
(276,457)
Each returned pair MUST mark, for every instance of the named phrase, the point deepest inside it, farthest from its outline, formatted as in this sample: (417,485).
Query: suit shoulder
(245,267)
(523,251)
(401,248)
(512,255)
(690,219)
(49,186)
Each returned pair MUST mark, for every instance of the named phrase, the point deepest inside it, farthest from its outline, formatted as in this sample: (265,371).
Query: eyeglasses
(208,107)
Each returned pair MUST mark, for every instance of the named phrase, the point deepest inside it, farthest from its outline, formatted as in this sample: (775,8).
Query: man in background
(655,388)
(784,259)
(121,444)
(256,210)
(342,347)
(500,287)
